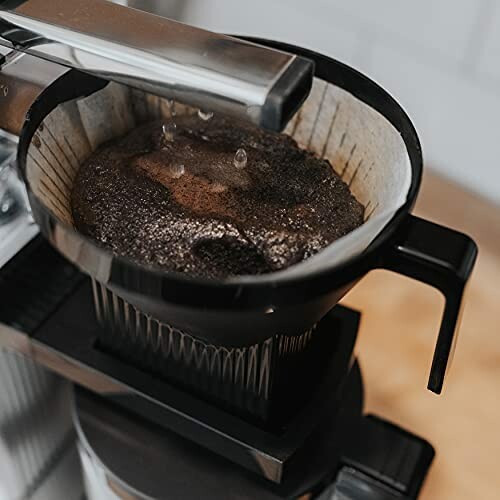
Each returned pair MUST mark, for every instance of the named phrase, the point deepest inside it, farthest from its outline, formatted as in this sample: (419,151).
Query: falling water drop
(171,107)
(169,130)
(205,115)
(177,171)
(240,159)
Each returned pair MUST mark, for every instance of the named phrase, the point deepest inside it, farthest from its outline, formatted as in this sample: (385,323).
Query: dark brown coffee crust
(184,206)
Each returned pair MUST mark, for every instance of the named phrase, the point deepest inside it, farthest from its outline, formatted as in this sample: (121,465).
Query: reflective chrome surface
(22,79)
(37,452)
(16,224)
(10,202)
(215,72)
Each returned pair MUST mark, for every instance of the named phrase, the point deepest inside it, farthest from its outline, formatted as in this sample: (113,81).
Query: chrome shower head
(212,71)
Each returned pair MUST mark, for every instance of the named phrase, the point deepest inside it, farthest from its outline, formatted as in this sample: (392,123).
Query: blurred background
(441,61)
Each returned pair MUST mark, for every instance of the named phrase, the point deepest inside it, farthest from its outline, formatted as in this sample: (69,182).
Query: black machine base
(47,313)
(353,458)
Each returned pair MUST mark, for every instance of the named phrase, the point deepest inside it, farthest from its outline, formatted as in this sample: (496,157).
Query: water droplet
(240,159)
(205,115)
(204,137)
(169,130)
(177,171)
(171,107)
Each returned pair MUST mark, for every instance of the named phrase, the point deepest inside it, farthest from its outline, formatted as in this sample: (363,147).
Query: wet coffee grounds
(212,198)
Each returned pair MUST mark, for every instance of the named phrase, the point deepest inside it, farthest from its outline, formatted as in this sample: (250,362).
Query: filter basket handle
(444,259)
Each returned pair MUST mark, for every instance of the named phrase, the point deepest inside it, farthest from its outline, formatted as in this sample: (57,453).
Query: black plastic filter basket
(218,337)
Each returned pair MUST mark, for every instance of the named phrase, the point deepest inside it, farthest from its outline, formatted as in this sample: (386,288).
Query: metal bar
(22,79)
(197,67)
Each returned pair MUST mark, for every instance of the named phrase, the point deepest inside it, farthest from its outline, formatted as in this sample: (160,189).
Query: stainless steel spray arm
(194,66)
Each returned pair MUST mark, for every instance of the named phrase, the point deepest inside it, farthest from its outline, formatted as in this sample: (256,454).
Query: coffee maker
(189,388)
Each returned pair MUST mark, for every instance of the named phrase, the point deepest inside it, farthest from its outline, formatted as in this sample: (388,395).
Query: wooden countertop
(398,331)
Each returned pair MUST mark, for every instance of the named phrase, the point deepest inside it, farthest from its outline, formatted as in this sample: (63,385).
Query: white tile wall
(291,21)
(456,120)
(489,58)
(440,58)
(443,27)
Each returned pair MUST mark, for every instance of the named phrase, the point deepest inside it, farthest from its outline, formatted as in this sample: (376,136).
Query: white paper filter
(361,144)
